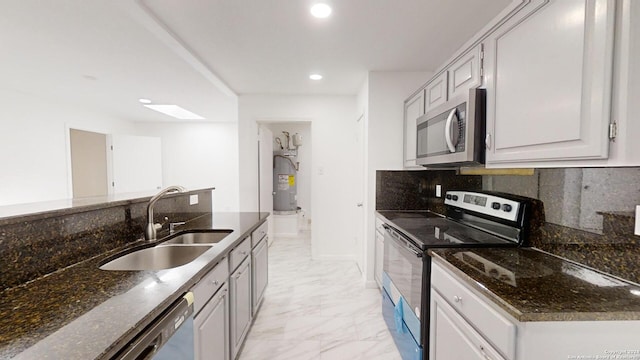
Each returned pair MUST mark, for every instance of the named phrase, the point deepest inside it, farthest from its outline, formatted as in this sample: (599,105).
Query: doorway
(88,163)
(272,139)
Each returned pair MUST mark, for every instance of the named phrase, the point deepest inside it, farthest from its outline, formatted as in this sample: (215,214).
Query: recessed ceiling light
(175,111)
(145,101)
(315,77)
(321,10)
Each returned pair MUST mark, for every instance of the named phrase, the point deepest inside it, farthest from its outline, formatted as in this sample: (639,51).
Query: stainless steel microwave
(452,134)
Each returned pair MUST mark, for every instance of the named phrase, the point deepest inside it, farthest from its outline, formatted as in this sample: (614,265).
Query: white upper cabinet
(413,109)
(436,92)
(465,73)
(548,74)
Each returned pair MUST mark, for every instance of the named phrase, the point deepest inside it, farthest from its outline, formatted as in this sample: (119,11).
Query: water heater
(285,196)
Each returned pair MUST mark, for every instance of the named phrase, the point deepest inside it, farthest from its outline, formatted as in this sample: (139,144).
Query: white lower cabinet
(211,309)
(466,325)
(260,272)
(379,258)
(454,338)
(240,296)
(468,320)
(379,252)
(211,327)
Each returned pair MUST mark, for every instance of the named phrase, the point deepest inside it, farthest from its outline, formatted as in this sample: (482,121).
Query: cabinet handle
(457,299)
(238,275)
(223,294)
(215,282)
(487,141)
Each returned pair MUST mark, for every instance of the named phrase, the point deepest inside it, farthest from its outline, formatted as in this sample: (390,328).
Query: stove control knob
(495,206)
(448,196)
(455,197)
(506,207)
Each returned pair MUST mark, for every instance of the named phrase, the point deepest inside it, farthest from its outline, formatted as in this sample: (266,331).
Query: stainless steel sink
(156,258)
(209,237)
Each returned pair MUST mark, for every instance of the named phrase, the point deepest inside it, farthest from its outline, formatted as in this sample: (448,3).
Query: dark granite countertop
(82,312)
(534,286)
(538,286)
(42,210)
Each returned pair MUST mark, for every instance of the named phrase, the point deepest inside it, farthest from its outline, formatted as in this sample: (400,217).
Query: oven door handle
(399,240)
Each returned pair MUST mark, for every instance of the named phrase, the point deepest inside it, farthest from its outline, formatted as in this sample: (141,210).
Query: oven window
(404,269)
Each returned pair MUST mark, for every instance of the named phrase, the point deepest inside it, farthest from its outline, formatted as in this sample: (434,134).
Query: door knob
(359,204)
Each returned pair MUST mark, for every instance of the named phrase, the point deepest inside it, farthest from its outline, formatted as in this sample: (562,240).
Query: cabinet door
(413,109)
(464,73)
(211,328)
(452,338)
(240,317)
(379,258)
(436,92)
(260,272)
(548,72)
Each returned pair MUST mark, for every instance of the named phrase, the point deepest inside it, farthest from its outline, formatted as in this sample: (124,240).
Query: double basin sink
(176,251)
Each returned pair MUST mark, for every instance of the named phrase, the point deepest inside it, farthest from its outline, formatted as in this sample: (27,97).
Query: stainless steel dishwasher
(168,337)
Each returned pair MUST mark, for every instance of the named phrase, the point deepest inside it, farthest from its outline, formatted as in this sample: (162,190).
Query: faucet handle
(172,226)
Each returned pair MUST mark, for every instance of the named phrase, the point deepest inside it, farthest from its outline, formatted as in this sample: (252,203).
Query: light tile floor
(316,310)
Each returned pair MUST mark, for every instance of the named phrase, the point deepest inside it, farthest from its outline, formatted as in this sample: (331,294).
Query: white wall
(199,155)
(303,180)
(34,145)
(333,125)
(384,94)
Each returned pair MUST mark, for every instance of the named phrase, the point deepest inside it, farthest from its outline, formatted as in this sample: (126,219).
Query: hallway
(316,310)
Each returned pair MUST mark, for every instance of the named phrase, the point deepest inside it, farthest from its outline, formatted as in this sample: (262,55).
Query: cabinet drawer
(258,234)
(209,284)
(239,253)
(496,328)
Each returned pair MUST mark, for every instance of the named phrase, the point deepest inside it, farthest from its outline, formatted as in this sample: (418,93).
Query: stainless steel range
(472,219)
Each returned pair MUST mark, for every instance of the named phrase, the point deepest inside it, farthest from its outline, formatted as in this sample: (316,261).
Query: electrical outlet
(438,190)
(637,231)
(193,199)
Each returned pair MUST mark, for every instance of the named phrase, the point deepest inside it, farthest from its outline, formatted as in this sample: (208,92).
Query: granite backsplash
(588,211)
(39,244)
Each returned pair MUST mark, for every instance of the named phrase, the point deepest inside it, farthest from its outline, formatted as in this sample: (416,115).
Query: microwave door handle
(447,131)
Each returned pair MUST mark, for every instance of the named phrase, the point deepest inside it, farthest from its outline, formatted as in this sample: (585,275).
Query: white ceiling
(198,53)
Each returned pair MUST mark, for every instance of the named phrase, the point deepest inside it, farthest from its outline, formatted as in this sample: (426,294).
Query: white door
(360,193)
(265,162)
(88,163)
(136,163)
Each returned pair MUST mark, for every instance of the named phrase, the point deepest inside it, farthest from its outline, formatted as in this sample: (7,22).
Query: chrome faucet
(150,231)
